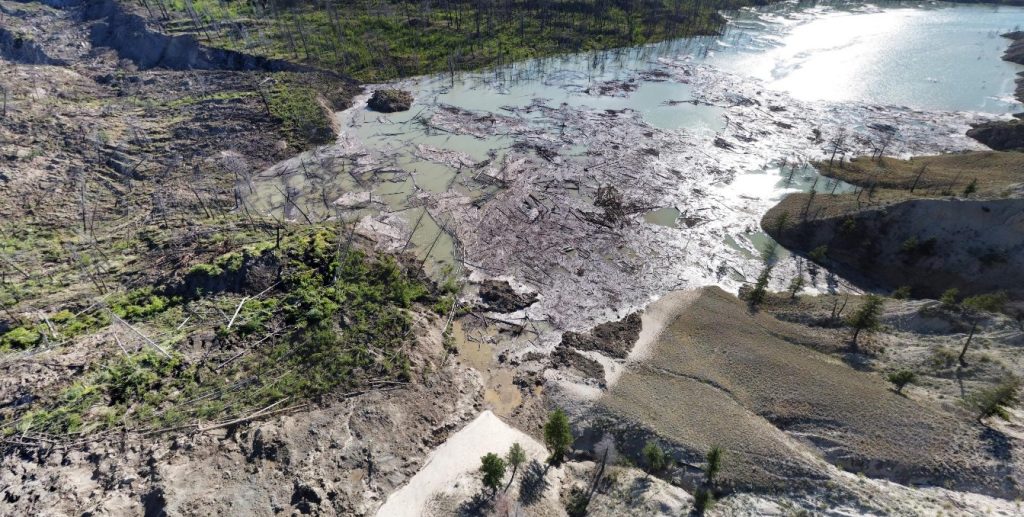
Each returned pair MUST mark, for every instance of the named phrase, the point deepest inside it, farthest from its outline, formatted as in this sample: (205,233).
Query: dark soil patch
(615,338)
(498,296)
(390,101)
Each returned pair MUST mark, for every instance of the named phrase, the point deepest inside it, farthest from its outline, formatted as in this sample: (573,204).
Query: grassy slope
(377,41)
(996,173)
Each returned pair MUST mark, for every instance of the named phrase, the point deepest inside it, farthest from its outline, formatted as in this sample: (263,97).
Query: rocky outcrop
(999,135)
(390,101)
(1015,52)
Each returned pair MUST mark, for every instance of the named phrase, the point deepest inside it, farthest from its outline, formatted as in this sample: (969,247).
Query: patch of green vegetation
(304,120)
(341,320)
(218,96)
(140,304)
(70,325)
(127,386)
(380,40)
(19,338)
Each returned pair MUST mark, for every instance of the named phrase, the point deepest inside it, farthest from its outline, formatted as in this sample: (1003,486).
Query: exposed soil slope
(747,387)
(930,245)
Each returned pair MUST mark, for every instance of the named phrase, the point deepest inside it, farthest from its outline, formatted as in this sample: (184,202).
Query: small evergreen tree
(972,187)
(949,298)
(714,458)
(818,254)
(515,457)
(655,457)
(703,500)
(996,401)
(902,378)
(760,290)
(493,468)
(975,307)
(557,435)
(866,317)
(795,286)
(901,293)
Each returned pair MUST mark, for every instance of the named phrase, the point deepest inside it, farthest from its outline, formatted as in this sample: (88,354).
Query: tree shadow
(960,381)
(533,483)
(478,505)
(641,484)
(997,444)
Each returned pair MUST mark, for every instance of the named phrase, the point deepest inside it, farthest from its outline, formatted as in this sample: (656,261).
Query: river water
(497,172)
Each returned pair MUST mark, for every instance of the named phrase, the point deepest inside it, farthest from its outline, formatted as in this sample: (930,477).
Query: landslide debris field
(233,280)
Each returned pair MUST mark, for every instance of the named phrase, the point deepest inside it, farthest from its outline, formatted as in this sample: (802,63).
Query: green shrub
(303,118)
(20,338)
(902,293)
(139,304)
(819,254)
(949,298)
(655,458)
(901,378)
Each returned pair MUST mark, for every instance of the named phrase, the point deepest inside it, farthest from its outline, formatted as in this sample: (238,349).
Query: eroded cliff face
(1015,53)
(1006,135)
(928,244)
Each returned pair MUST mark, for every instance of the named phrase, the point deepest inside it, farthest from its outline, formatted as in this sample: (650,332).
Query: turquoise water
(936,57)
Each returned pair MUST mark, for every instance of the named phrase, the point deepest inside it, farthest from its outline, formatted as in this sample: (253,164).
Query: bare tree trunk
(967,343)
(918,177)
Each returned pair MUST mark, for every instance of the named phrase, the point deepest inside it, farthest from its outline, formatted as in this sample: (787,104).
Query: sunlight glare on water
(940,58)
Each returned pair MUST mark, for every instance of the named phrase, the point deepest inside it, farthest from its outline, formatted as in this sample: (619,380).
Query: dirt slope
(928,244)
(747,387)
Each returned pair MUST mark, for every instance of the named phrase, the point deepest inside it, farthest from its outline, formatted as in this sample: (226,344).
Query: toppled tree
(493,468)
(557,436)
(616,210)
(655,457)
(901,378)
(997,400)
(974,308)
(866,317)
(515,457)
